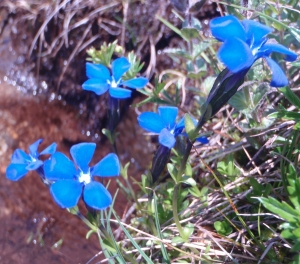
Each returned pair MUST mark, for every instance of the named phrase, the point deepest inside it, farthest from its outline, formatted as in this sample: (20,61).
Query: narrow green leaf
(88,234)
(163,249)
(291,96)
(175,29)
(296,232)
(282,209)
(295,32)
(139,249)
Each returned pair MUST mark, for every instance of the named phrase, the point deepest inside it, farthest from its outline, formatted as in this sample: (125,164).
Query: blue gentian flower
(73,180)
(100,80)
(244,43)
(22,162)
(164,124)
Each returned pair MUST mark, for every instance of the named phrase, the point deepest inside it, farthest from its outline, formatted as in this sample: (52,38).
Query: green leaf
(296,232)
(223,227)
(198,48)
(181,53)
(295,32)
(287,234)
(133,242)
(175,29)
(108,134)
(297,126)
(124,170)
(88,234)
(188,230)
(196,75)
(108,246)
(74,210)
(190,127)
(190,33)
(188,180)
(239,101)
(296,247)
(177,240)
(188,170)
(295,64)
(173,171)
(158,228)
(282,209)
(195,191)
(286,115)
(291,96)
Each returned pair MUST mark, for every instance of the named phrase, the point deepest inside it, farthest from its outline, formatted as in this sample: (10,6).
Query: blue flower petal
(169,114)
(82,154)
(33,148)
(96,196)
(34,165)
(136,83)
(49,150)
(15,172)
(236,55)
(151,122)
(255,31)
(119,67)
(202,140)
(107,167)
(268,48)
(119,93)
(66,193)
(97,71)
(20,157)
(97,86)
(224,28)
(278,76)
(179,127)
(59,167)
(166,138)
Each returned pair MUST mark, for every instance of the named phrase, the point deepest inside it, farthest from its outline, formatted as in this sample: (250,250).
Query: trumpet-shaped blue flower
(245,42)
(22,162)
(164,125)
(73,180)
(100,80)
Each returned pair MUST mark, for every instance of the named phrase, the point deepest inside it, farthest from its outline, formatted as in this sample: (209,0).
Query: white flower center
(113,83)
(85,177)
(255,50)
(33,159)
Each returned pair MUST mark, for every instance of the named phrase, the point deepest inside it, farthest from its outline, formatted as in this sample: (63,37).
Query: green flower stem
(87,222)
(184,160)
(113,114)
(101,230)
(175,211)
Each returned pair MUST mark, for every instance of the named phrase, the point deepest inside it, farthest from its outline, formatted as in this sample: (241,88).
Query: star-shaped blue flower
(70,181)
(100,80)
(244,43)
(164,125)
(22,162)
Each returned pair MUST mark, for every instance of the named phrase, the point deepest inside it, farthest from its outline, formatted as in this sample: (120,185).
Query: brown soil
(32,107)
